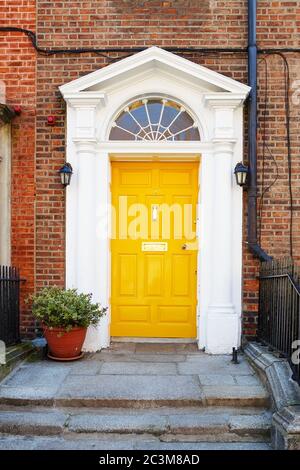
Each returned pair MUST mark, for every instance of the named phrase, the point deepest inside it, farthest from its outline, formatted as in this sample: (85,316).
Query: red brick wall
(18,71)
(176,23)
(278,26)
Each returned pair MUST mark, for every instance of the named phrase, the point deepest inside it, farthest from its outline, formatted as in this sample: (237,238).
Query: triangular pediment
(154,60)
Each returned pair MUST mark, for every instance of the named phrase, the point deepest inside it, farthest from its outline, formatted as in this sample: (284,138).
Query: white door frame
(216,103)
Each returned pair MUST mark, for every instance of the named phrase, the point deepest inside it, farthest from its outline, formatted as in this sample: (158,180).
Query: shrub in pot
(65,316)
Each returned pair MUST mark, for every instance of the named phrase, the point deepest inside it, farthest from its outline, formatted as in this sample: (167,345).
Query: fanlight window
(154,119)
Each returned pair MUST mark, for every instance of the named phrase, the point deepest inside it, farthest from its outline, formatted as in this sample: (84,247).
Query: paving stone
(41,375)
(213,365)
(107,356)
(89,367)
(247,380)
(49,364)
(109,388)
(140,368)
(28,422)
(216,380)
(111,356)
(124,423)
(156,358)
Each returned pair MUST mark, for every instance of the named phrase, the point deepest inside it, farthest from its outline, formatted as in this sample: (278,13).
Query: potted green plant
(65,315)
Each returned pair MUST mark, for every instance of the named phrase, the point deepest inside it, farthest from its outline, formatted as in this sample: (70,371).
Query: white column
(223,312)
(222,324)
(86,232)
(86,214)
(102,251)
(205,210)
(93,235)
(5,191)
(82,250)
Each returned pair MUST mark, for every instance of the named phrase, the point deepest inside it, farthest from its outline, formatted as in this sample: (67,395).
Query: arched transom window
(154,119)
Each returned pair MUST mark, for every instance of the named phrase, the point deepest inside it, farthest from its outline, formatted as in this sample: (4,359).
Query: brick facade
(18,72)
(137,23)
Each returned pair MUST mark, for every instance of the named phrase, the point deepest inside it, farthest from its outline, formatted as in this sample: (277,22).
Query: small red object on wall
(51,120)
(17,109)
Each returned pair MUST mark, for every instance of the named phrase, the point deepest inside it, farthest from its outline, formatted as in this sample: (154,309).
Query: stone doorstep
(40,386)
(218,427)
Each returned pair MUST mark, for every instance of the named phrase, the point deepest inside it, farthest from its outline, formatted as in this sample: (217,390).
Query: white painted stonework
(5,189)
(216,104)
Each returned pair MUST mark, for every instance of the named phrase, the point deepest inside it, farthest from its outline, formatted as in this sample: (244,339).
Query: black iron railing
(279,310)
(9,305)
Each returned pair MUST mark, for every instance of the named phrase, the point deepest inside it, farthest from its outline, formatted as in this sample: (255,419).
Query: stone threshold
(130,339)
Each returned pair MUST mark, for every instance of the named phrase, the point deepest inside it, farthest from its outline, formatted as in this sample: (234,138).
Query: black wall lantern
(241,172)
(66,172)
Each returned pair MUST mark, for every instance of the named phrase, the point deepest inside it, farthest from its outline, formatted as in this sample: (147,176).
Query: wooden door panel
(153,292)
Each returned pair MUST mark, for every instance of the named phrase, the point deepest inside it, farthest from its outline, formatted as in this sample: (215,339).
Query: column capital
(85,99)
(224,106)
(224,100)
(223,145)
(85,145)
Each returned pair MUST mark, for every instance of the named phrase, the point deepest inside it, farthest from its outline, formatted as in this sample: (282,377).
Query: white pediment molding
(155,58)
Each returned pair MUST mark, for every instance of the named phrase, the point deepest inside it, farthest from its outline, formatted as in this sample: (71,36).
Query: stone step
(120,442)
(14,355)
(179,425)
(17,351)
(53,387)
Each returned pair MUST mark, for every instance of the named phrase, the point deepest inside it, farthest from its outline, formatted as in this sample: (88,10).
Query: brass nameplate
(154,246)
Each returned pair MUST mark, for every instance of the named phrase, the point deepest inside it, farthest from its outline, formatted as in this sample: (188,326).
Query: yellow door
(154,249)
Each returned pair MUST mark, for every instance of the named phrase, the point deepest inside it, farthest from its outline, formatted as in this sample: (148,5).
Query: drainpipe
(253,245)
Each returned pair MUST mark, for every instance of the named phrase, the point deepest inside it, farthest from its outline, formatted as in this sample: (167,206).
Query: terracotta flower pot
(65,345)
